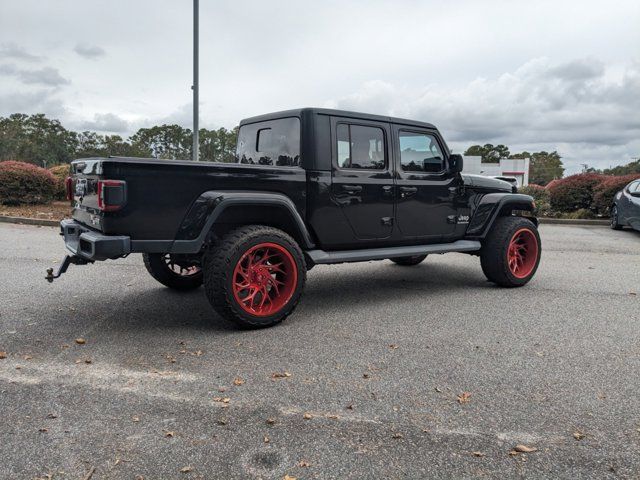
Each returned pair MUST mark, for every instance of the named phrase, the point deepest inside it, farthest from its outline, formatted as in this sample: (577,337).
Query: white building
(508,167)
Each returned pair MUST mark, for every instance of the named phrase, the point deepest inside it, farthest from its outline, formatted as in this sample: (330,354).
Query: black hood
(478,182)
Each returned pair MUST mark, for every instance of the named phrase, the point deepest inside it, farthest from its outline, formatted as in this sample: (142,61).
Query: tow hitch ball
(62,267)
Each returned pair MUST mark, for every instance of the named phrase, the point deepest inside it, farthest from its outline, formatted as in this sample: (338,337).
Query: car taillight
(68,183)
(112,195)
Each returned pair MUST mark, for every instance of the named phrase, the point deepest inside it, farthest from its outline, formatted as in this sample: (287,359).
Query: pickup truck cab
(309,186)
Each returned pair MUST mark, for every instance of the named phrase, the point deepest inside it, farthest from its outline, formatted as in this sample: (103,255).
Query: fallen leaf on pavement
(80,341)
(477,454)
(266,439)
(221,400)
(578,435)
(393,346)
(52,415)
(464,397)
(169,434)
(271,421)
(136,419)
(307,416)
(186,469)
(350,406)
(438,389)
(284,374)
(238,381)
(524,449)
(303,464)
(397,435)
(289,477)
(3,355)
(43,430)
(27,357)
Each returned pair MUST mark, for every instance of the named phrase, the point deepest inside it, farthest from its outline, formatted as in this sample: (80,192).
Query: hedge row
(583,195)
(24,183)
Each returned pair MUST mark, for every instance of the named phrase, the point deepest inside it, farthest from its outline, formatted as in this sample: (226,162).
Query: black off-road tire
(409,261)
(615,220)
(158,268)
(494,255)
(221,260)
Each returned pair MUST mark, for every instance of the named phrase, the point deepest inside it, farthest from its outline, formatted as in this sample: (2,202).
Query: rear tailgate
(93,195)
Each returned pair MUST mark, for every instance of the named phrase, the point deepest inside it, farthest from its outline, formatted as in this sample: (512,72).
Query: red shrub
(25,183)
(604,193)
(60,173)
(575,192)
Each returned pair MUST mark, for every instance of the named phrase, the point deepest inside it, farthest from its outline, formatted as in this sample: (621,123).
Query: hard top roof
(338,113)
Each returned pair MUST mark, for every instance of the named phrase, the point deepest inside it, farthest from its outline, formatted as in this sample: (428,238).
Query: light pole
(194,87)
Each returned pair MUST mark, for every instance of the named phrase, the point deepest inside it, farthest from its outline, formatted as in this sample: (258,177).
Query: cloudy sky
(552,75)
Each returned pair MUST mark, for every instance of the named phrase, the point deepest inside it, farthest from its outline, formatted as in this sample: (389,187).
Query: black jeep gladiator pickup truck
(309,186)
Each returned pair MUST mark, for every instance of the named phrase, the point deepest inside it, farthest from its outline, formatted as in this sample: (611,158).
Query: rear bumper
(91,245)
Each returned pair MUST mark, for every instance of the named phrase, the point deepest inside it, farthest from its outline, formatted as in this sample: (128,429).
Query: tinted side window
(420,152)
(360,147)
(274,142)
(634,187)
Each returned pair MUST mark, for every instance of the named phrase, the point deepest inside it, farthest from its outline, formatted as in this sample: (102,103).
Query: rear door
(362,181)
(425,206)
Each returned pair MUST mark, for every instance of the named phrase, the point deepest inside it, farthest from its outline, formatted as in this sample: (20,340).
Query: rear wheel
(615,221)
(173,271)
(409,261)
(511,252)
(255,276)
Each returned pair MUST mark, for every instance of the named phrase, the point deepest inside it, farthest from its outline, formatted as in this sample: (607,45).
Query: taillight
(112,195)
(68,183)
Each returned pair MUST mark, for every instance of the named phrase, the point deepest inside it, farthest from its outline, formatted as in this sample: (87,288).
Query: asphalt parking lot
(383,371)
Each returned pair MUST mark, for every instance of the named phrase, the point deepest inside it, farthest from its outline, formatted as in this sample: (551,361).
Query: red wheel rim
(264,279)
(522,254)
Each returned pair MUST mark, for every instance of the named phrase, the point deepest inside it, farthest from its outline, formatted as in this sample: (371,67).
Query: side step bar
(322,257)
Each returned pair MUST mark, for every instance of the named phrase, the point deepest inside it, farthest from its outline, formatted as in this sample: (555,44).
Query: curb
(574,221)
(30,221)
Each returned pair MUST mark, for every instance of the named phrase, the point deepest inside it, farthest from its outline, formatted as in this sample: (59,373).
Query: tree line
(45,142)
(543,167)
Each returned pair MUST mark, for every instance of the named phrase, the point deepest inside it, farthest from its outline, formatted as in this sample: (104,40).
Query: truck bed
(159,193)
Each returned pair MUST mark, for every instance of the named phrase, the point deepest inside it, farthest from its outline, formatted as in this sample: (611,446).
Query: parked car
(625,210)
(310,186)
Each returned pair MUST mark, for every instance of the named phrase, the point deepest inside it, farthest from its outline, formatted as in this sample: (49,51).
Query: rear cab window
(271,143)
(360,147)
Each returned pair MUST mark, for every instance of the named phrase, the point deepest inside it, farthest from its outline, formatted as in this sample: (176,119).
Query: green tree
(218,145)
(165,141)
(545,167)
(489,152)
(629,168)
(35,139)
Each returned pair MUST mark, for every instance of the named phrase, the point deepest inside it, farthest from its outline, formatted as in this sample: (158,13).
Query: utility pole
(195,86)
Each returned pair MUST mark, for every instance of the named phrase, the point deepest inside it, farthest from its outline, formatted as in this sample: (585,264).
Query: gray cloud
(91,52)
(13,51)
(31,102)
(573,106)
(43,76)
(106,122)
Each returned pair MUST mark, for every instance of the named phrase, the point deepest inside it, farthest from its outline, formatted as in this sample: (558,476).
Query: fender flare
(208,207)
(492,205)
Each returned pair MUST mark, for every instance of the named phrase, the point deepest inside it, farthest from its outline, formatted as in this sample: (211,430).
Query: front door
(427,190)
(362,182)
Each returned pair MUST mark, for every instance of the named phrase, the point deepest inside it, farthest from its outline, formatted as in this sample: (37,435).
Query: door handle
(407,191)
(352,188)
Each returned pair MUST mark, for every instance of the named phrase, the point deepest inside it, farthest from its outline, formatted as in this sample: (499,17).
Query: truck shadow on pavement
(328,287)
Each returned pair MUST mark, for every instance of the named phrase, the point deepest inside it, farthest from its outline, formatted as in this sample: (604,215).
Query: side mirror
(455,162)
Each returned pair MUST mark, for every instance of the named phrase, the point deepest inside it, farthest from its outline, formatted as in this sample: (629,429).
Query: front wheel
(409,261)
(511,252)
(255,276)
(615,221)
(173,271)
